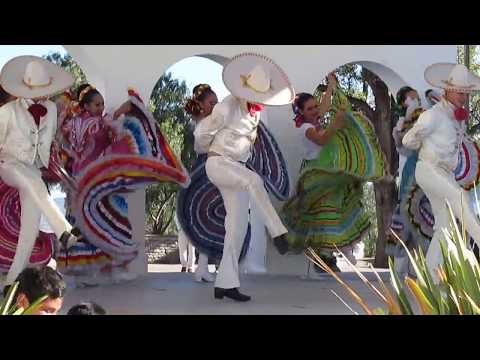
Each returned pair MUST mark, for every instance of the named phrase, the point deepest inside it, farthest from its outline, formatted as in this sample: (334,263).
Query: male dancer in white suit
(227,135)
(27,128)
(438,135)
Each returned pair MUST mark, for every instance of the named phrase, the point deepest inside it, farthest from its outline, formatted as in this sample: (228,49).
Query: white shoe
(204,276)
(122,276)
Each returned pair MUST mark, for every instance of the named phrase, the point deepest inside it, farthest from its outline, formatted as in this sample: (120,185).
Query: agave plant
(7,307)
(457,291)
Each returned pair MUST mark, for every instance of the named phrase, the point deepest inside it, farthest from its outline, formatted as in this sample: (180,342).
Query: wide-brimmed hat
(32,77)
(453,77)
(257,79)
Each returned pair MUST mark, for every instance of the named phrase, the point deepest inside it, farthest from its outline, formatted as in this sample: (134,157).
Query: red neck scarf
(37,111)
(254,108)
(460,114)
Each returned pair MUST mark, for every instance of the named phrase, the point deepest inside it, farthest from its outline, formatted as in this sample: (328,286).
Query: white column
(136,215)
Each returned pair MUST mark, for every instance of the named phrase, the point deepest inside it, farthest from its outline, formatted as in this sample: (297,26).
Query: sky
(194,70)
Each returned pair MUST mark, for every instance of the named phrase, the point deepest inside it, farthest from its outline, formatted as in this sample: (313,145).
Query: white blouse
(310,149)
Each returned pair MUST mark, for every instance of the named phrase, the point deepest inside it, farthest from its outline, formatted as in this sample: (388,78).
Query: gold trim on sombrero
(245,83)
(30,86)
(264,57)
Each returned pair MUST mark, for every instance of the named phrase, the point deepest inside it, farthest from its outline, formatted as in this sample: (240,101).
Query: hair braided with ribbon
(298,106)
(86,92)
(200,92)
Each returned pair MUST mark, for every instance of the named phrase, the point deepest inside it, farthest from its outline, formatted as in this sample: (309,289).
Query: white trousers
(440,185)
(202,266)
(186,250)
(238,186)
(255,260)
(34,201)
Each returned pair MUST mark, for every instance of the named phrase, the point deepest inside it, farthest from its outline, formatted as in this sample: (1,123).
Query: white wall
(112,68)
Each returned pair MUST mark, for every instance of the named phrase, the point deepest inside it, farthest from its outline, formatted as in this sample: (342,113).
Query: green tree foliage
(474,123)
(166,103)
(66,62)
(370,239)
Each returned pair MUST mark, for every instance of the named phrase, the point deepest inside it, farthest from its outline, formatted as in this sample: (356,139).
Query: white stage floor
(164,290)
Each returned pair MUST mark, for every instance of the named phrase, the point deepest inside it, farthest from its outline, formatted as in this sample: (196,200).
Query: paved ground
(164,290)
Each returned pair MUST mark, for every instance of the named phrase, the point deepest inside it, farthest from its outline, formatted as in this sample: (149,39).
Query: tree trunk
(158,225)
(385,197)
(385,192)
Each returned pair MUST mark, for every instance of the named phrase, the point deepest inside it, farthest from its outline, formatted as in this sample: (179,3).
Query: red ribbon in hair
(461,114)
(299,120)
(37,111)
(132,92)
(254,108)
(68,95)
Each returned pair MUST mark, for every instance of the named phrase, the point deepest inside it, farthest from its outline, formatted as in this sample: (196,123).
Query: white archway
(113,68)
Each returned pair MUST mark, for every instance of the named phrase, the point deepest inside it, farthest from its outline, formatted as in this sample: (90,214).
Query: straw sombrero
(257,79)
(453,77)
(32,77)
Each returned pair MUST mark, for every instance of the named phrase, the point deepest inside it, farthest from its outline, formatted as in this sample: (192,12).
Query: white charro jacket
(229,130)
(438,136)
(20,137)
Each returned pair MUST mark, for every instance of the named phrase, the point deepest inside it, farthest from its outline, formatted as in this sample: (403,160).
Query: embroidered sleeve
(421,129)
(207,129)
(113,126)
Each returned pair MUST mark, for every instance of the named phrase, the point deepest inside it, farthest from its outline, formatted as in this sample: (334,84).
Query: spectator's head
(34,283)
(87,308)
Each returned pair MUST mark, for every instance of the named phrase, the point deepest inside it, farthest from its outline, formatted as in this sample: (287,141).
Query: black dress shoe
(184,269)
(68,239)
(281,243)
(5,290)
(233,294)
(332,264)
(76,231)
